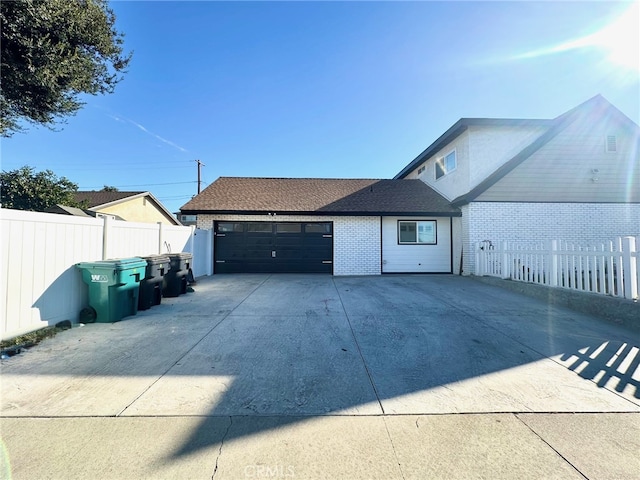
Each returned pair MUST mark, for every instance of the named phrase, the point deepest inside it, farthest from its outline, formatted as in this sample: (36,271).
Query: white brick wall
(356,240)
(580,223)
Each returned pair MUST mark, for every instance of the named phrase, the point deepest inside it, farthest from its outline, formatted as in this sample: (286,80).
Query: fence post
(629,268)
(480,258)
(191,240)
(106,236)
(553,264)
(210,247)
(160,237)
(506,273)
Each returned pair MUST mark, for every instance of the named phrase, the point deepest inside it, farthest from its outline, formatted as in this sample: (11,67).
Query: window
(417,232)
(188,218)
(446,164)
(289,228)
(611,144)
(317,228)
(421,169)
(230,227)
(260,227)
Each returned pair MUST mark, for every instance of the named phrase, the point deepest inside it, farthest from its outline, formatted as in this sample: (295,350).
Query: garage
(273,247)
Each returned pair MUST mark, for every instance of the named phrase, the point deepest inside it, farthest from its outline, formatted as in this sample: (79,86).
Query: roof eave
(119,201)
(321,213)
(447,137)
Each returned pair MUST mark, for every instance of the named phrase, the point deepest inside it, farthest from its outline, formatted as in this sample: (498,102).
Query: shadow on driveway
(289,347)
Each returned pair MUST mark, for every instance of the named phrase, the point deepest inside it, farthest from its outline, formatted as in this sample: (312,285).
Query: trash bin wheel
(88,315)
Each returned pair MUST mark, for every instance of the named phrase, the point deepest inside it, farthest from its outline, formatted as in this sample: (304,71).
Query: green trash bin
(113,288)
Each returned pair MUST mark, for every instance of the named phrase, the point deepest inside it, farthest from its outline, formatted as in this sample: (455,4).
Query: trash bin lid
(185,255)
(115,264)
(156,259)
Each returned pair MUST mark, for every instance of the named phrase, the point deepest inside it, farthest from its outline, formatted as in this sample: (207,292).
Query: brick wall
(356,240)
(528,223)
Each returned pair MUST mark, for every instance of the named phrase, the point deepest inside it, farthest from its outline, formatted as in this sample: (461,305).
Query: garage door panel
(266,247)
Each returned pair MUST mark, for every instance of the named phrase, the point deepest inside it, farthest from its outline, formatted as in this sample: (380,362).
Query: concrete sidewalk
(303,376)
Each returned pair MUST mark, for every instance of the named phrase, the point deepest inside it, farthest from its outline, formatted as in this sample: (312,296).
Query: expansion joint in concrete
(550,446)
(215,468)
(355,341)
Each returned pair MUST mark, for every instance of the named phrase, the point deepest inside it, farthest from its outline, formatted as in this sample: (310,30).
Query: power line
(143,184)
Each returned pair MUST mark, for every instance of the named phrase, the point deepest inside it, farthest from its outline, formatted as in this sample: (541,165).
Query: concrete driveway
(313,376)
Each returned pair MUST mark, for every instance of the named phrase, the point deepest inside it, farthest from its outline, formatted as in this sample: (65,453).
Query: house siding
(139,209)
(356,240)
(480,150)
(575,167)
(455,183)
(492,146)
(586,224)
(416,258)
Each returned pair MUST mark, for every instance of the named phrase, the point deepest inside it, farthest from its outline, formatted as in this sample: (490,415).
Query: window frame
(416,222)
(441,163)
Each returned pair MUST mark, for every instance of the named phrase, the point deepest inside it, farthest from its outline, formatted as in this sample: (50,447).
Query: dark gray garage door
(273,247)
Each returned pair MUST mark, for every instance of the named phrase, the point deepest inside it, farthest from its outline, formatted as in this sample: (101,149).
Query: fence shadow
(66,294)
(608,365)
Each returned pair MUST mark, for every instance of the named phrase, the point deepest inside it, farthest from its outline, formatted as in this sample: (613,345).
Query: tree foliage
(109,188)
(52,52)
(26,189)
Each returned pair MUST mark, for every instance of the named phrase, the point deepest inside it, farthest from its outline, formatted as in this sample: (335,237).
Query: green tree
(109,188)
(26,189)
(52,52)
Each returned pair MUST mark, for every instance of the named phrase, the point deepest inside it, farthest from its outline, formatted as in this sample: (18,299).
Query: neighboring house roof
(76,212)
(319,196)
(64,210)
(460,127)
(596,104)
(104,199)
(100,199)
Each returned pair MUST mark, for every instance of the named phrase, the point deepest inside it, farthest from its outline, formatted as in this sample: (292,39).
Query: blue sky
(326,89)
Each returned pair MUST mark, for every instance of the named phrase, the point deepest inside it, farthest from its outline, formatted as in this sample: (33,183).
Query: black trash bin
(174,282)
(151,284)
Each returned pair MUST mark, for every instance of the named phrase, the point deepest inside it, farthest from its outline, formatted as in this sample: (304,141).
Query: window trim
(443,165)
(435,229)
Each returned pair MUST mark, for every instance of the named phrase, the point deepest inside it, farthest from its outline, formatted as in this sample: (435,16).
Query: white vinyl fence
(39,282)
(608,269)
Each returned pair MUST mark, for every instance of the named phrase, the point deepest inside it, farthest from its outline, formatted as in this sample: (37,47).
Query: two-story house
(575,178)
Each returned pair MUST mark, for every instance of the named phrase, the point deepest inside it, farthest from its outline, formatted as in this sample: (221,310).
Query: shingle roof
(320,196)
(96,198)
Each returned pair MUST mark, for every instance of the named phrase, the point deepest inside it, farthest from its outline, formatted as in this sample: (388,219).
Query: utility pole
(200,164)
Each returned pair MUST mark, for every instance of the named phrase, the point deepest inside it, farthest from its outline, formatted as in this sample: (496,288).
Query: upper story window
(446,164)
(611,144)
